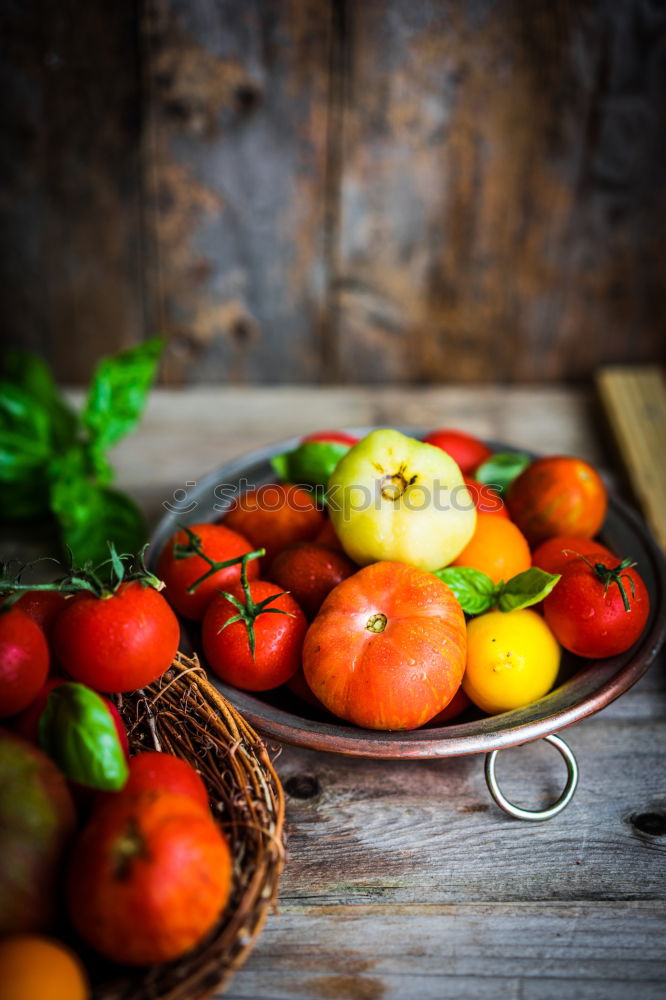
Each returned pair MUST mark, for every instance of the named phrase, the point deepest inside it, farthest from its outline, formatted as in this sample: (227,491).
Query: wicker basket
(184,714)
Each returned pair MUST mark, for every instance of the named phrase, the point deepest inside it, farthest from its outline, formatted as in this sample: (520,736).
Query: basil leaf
(526,588)
(500,470)
(474,590)
(118,392)
(92,514)
(77,731)
(31,374)
(312,462)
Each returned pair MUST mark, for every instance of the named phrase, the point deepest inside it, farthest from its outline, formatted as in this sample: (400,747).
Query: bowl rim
(455,739)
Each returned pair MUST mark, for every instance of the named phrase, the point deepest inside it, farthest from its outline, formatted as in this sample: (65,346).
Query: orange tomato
(497,548)
(558,495)
(32,966)
(387,650)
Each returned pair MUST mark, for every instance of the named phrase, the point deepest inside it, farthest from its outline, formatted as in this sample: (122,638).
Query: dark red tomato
(219,543)
(117,643)
(27,723)
(162,772)
(24,661)
(327,536)
(486,500)
(274,516)
(278,639)
(341,436)
(458,704)
(553,555)
(310,572)
(467,451)
(43,606)
(597,610)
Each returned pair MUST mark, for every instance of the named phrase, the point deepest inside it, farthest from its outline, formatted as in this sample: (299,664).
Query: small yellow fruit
(512,660)
(33,967)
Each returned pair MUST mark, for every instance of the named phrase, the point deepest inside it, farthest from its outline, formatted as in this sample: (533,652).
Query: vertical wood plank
(236,174)
(502,189)
(71,282)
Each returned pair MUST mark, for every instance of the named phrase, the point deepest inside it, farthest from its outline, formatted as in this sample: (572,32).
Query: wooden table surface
(404,881)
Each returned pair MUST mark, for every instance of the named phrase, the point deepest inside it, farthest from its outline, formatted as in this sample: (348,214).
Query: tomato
(27,723)
(149,877)
(118,642)
(327,536)
(341,436)
(497,548)
(553,555)
(24,661)
(486,499)
(600,609)
(164,772)
(43,606)
(387,649)
(557,495)
(467,452)
(219,543)
(458,704)
(512,660)
(309,572)
(278,636)
(392,497)
(274,516)
(299,687)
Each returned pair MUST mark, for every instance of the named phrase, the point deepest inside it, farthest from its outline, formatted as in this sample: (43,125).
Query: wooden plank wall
(336,190)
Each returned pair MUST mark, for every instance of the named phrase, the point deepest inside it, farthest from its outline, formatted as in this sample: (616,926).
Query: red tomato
(310,572)
(24,661)
(27,723)
(219,543)
(387,650)
(43,606)
(327,536)
(553,555)
(467,451)
(486,500)
(341,436)
(278,638)
(587,608)
(163,772)
(117,643)
(149,877)
(557,495)
(458,704)
(274,516)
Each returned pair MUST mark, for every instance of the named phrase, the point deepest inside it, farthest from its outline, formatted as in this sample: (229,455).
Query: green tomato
(392,497)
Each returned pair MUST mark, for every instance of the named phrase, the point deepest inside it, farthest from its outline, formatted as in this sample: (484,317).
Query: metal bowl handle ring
(535,815)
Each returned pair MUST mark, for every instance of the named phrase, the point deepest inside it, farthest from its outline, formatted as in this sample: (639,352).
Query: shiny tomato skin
(275,515)
(590,623)
(27,723)
(486,500)
(557,495)
(43,606)
(341,437)
(468,452)
(556,553)
(219,543)
(24,661)
(387,649)
(151,771)
(117,643)
(278,640)
(310,572)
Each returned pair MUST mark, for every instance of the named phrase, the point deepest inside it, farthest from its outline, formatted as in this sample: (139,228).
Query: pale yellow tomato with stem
(512,660)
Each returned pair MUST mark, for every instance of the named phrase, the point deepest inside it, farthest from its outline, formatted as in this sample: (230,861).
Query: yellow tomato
(512,660)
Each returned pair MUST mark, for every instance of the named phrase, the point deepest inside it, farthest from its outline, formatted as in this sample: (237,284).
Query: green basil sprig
(77,731)
(53,460)
(501,469)
(476,592)
(312,462)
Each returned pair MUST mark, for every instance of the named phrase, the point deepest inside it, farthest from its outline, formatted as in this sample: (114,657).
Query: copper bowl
(583,686)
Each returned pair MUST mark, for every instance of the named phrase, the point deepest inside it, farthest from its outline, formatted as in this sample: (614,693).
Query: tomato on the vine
(189,556)
(119,641)
(599,607)
(552,556)
(252,635)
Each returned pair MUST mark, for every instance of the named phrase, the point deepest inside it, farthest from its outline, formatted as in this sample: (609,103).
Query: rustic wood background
(335,190)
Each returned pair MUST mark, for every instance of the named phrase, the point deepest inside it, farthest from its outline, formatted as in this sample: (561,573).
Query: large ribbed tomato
(557,495)
(387,650)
